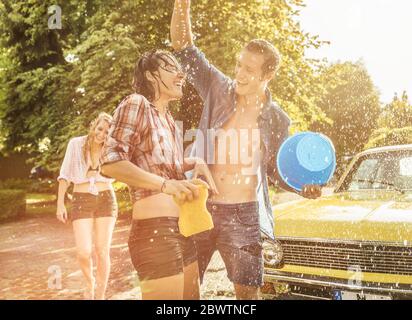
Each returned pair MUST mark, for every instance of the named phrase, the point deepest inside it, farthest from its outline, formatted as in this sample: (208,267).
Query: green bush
(43,186)
(387,137)
(12,204)
(20,184)
(30,185)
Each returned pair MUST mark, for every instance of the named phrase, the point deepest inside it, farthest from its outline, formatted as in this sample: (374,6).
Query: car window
(406,167)
(380,171)
(365,172)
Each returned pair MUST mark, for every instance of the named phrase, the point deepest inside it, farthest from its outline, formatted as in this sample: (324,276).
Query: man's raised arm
(200,73)
(181,29)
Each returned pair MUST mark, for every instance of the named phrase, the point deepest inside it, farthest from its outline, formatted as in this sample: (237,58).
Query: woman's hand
(61,213)
(201,169)
(181,189)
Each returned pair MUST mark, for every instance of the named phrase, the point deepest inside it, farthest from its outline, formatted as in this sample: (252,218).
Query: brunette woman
(144,150)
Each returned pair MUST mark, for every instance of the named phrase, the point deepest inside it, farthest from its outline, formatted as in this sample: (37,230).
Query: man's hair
(270,54)
(150,62)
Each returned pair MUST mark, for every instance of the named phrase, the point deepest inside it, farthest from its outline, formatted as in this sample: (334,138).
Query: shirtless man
(240,110)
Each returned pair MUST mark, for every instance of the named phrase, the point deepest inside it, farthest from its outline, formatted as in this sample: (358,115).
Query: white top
(74,169)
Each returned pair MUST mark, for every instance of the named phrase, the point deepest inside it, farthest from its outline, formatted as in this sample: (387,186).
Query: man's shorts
(236,236)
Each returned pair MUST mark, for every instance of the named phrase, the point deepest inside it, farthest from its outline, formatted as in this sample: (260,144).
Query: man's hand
(311,191)
(201,169)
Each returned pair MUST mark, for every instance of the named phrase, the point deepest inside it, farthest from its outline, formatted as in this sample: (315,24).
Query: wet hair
(150,62)
(103,116)
(271,55)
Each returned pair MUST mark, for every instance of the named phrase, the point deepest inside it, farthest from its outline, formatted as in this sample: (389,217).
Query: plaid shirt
(142,136)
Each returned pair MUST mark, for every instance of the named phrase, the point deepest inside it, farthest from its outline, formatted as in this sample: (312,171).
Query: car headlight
(272,253)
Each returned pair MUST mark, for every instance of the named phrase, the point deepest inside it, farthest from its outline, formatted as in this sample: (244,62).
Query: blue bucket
(306,158)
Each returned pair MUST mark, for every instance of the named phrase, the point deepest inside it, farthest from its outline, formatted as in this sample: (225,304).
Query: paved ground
(36,252)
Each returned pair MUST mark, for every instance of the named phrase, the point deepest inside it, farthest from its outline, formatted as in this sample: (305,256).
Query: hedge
(30,185)
(388,137)
(12,204)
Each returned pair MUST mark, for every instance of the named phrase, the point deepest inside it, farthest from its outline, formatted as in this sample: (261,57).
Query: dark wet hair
(150,62)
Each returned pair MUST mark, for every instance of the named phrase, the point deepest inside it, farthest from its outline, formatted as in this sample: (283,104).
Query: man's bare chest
(238,139)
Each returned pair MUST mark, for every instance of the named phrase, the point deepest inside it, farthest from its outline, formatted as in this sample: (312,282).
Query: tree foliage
(58,80)
(351,101)
(3,66)
(397,114)
(37,82)
(395,124)
(389,137)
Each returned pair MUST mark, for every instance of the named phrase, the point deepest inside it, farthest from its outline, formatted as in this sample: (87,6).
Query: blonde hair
(103,116)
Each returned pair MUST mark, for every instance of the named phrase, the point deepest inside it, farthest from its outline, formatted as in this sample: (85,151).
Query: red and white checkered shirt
(141,135)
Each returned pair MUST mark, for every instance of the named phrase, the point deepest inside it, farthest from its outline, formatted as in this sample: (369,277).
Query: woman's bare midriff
(158,205)
(84,187)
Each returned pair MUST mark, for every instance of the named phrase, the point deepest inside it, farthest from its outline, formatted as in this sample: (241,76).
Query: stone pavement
(34,252)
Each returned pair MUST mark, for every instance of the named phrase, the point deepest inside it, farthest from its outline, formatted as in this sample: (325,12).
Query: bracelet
(163,185)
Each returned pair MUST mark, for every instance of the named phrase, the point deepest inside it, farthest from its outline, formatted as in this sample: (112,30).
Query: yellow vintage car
(353,244)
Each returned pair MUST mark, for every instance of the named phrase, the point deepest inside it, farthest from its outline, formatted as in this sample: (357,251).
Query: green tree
(351,101)
(397,114)
(3,66)
(38,82)
(394,123)
(60,79)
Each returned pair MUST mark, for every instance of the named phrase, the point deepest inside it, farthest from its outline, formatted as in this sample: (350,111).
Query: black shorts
(157,248)
(89,206)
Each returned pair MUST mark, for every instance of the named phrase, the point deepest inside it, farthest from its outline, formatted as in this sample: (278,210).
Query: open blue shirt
(219,98)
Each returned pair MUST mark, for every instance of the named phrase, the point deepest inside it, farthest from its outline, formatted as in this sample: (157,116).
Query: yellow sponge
(194,216)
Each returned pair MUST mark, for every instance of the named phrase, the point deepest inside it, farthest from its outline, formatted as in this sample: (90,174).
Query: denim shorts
(237,237)
(157,248)
(89,206)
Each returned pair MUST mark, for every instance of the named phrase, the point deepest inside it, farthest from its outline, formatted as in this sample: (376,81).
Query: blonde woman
(94,205)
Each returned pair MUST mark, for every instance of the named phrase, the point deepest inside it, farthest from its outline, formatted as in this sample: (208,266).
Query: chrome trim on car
(350,242)
(373,257)
(274,276)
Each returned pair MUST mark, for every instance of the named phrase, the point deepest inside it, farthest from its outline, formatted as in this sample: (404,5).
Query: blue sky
(377,31)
